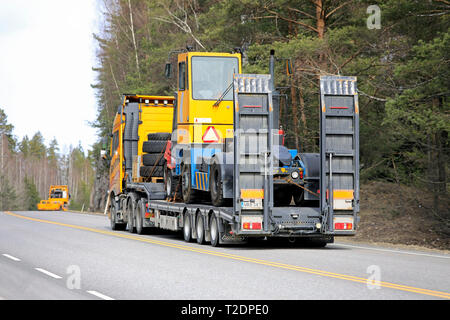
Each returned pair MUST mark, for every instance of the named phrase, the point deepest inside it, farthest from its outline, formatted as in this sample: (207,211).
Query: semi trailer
(215,166)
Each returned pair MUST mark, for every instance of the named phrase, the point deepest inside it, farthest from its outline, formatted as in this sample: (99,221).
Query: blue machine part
(199,179)
(296,159)
(293,153)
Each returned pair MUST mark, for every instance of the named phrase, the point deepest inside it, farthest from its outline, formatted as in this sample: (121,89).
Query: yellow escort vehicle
(58,199)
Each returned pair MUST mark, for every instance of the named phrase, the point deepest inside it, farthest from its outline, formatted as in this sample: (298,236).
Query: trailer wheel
(214,230)
(188,193)
(200,227)
(216,186)
(187,227)
(139,215)
(130,213)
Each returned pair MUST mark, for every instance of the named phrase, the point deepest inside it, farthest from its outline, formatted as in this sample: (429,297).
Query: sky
(46,57)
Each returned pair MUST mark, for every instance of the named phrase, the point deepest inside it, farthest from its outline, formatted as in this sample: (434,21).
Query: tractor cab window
(211,76)
(182,76)
(115,142)
(56,194)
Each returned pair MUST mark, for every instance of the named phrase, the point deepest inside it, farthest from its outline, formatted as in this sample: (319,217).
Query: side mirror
(168,70)
(103,154)
(289,67)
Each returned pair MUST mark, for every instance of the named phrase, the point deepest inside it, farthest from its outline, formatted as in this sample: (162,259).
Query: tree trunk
(320,16)
(442,137)
(302,114)
(134,39)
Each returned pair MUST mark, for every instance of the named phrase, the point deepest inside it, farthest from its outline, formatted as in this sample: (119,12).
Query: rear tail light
(252,225)
(343,226)
(281,133)
(343,223)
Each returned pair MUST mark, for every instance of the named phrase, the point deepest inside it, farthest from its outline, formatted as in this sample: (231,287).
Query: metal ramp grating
(339,148)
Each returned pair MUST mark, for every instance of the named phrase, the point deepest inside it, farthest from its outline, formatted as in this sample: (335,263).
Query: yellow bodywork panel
(154,119)
(156,115)
(58,199)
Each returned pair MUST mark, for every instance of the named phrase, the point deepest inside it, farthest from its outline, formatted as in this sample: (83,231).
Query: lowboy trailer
(330,178)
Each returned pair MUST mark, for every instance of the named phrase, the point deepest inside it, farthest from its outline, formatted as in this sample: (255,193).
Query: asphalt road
(64,255)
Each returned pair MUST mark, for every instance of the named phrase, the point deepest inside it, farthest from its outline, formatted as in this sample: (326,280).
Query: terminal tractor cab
(200,162)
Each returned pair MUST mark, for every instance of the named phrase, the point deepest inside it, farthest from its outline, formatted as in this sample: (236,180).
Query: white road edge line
(48,273)
(393,251)
(10,257)
(98,294)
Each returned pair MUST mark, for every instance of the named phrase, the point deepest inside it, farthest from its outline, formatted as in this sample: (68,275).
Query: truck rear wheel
(170,183)
(113,219)
(189,194)
(216,186)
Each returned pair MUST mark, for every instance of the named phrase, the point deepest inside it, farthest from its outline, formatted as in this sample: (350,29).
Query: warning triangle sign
(211,135)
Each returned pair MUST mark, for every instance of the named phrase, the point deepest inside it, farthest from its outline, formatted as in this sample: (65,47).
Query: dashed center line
(10,257)
(100,295)
(55,276)
(48,273)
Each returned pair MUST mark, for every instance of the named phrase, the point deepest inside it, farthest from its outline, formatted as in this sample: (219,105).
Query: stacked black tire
(153,157)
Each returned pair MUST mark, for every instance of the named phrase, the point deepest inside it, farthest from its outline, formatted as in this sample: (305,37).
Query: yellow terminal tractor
(202,143)
(58,199)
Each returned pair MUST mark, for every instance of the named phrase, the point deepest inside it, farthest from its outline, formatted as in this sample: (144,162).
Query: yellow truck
(141,129)
(58,199)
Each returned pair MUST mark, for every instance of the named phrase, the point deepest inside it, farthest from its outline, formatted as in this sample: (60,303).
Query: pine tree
(8,196)
(7,129)
(37,146)
(31,194)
